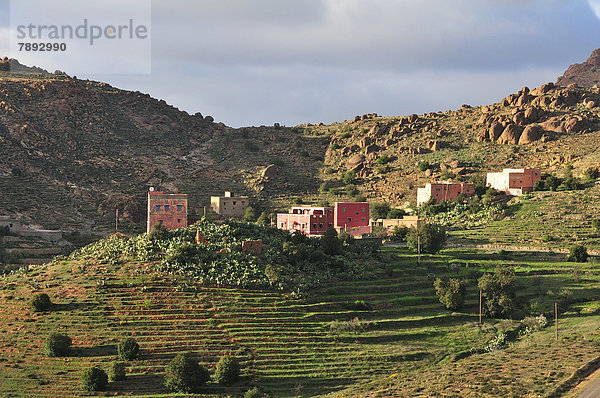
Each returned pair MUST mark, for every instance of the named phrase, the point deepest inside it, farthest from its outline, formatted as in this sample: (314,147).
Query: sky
(260,62)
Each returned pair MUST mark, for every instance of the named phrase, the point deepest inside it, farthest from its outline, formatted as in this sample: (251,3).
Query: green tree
(94,379)
(323,187)
(451,292)
(128,349)
(227,370)
(158,232)
(330,243)
(57,345)
(432,238)
(41,303)
(349,177)
(184,374)
(250,214)
(379,210)
(424,165)
(116,372)
(578,254)
(499,292)
(395,213)
(263,219)
(591,174)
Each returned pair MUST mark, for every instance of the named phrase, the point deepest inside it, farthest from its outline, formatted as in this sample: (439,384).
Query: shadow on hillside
(395,338)
(446,320)
(72,306)
(98,351)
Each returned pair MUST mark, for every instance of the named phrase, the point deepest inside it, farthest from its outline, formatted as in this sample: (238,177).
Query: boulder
(510,135)
(519,118)
(554,124)
(371,149)
(591,104)
(523,99)
(356,118)
(366,141)
(531,134)
(575,124)
(413,118)
(495,131)
(435,146)
(355,160)
(543,89)
(209,119)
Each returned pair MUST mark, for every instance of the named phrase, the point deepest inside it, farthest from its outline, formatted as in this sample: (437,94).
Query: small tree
(116,372)
(41,303)
(94,379)
(158,231)
(578,254)
(57,345)
(349,177)
(263,219)
(250,214)
(184,374)
(379,210)
(227,370)
(451,292)
(498,290)
(254,392)
(330,243)
(431,237)
(128,350)
(424,165)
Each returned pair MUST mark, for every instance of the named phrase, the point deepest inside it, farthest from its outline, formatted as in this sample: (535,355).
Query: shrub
(158,232)
(596,225)
(254,392)
(498,290)
(395,213)
(351,190)
(250,214)
(432,238)
(184,374)
(323,187)
(335,146)
(359,305)
(263,219)
(40,303)
(424,165)
(227,370)
(578,254)
(355,326)
(591,174)
(116,372)
(539,185)
(451,292)
(58,345)
(349,177)
(379,210)
(497,343)
(546,238)
(384,159)
(94,379)
(330,243)
(533,323)
(346,135)
(399,234)
(128,349)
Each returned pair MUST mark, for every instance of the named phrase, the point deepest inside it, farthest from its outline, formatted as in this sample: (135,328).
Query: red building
(168,209)
(353,218)
(307,220)
(443,191)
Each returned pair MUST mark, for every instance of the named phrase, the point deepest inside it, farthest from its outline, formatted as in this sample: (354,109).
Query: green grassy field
(406,345)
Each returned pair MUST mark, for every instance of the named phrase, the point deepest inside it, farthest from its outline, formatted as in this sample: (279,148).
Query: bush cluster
(430,237)
(57,345)
(128,349)
(227,370)
(94,379)
(41,303)
(451,292)
(185,374)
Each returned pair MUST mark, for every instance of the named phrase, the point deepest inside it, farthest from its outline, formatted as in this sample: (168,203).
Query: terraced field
(551,219)
(289,347)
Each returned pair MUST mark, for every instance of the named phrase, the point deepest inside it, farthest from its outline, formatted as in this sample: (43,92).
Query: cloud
(595,6)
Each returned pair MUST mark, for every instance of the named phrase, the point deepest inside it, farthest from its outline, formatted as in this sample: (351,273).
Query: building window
(234,202)
(321,225)
(303,226)
(315,225)
(282,225)
(157,207)
(179,221)
(349,219)
(179,207)
(330,224)
(363,219)
(167,207)
(343,209)
(363,209)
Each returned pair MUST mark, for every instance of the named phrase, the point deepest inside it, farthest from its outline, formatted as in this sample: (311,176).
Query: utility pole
(480,299)
(418,247)
(117,219)
(556,321)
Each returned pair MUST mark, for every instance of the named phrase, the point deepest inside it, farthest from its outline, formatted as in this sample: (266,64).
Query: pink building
(312,221)
(514,181)
(168,209)
(443,191)
(353,218)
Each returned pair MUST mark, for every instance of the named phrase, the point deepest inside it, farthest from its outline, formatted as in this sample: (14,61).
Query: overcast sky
(254,62)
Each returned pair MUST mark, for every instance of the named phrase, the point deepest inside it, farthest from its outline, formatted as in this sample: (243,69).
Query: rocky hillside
(586,74)
(547,127)
(72,151)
